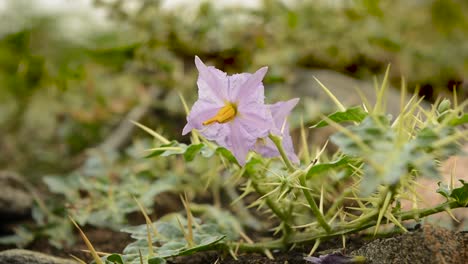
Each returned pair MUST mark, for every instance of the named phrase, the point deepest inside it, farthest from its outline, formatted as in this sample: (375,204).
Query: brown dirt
(103,240)
(425,245)
(428,245)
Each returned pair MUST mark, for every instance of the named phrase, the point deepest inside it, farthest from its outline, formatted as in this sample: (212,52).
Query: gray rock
(429,245)
(21,256)
(15,198)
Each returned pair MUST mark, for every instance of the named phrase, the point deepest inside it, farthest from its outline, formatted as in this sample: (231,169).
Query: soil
(426,245)
(104,240)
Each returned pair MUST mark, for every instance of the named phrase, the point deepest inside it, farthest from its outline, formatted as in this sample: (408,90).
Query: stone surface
(21,256)
(428,245)
(15,198)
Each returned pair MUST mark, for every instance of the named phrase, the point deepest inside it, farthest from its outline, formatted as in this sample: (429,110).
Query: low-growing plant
(309,197)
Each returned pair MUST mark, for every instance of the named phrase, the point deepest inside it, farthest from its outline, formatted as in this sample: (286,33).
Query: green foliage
(388,155)
(192,151)
(460,194)
(102,194)
(355,114)
(115,258)
(43,61)
(328,166)
(208,234)
(378,157)
(63,95)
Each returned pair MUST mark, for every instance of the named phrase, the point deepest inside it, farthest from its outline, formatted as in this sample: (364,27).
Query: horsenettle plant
(230,110)
(360,187)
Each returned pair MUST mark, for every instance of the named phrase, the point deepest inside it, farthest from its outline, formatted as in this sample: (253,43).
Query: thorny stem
(338,202)
(313,204)
(279,145)
(345,228)
(274,208)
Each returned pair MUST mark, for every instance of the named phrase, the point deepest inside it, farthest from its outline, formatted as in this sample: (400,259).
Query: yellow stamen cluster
(225,114)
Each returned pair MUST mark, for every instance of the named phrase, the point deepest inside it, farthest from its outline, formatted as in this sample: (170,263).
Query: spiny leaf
(167,150)
(192,151)
(322,167)
(115,258)
(159,152)
(461,194)
(226,154)
(207,244)
(459,120)
(157,260)
(443,190)
(354,114)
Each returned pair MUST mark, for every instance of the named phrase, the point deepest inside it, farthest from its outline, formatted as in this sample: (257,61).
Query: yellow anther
(225,114)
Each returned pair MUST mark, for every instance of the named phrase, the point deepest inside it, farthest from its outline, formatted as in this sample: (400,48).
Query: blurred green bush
(62,92)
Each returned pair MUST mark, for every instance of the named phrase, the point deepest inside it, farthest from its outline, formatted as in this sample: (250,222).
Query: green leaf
(157,260)
(226,154)
(355,114)
(192,151)
(206,244)
(178,248)
(461,194)
(444,106)
(160,152)
(322,167)
(443,190)
(459,120)
(115,258)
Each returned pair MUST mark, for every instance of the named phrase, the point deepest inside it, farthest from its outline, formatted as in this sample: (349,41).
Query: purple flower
(336,258)
(230,109)
(279,111)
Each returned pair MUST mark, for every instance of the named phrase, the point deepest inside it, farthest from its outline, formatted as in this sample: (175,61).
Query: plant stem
(313,205)
(345,229)
(279,145)
(338,202)
(274,208)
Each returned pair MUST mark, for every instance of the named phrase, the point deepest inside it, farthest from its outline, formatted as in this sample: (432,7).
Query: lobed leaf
(323,167)
(115,258)
(461,194)
(354,114)
(192,151)
(459,120)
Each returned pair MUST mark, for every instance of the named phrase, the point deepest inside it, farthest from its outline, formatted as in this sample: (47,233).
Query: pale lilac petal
(280,111)
(266,148)
(235,82)
(251,89)
(212,83)
(217,132)
(201,111)
(240,142)
(257,117)
(289,147)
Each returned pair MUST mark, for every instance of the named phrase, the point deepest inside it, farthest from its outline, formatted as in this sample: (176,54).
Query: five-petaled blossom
(265,146)
(230,109)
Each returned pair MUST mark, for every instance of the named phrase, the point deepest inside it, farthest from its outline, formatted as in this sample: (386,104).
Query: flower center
(225,114)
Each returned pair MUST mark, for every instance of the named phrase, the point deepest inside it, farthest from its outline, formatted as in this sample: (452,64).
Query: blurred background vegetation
(73,73)
(69,77)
